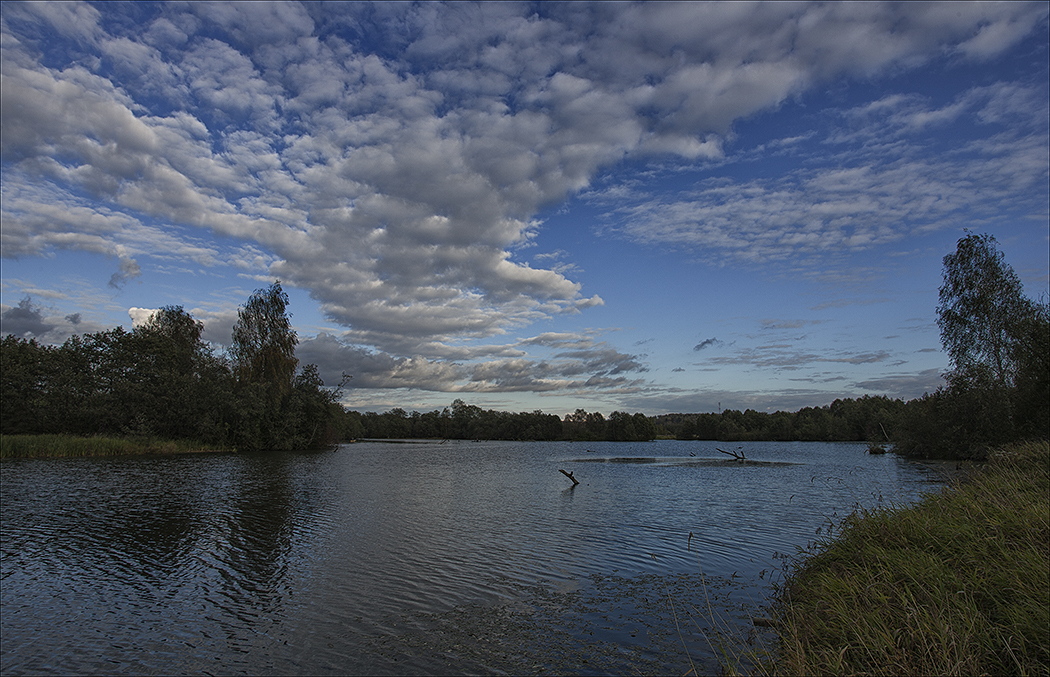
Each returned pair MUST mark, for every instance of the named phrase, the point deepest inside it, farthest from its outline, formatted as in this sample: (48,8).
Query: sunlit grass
(46,446)
(958,584)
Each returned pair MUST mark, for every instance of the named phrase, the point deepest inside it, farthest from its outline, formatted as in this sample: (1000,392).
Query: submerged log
(739,457)
(569,475)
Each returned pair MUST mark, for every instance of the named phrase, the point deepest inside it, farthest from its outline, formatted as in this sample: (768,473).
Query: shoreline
(71,446)
(954,584)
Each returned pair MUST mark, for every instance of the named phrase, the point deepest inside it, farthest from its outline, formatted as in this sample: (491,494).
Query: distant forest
(844,420)
(464,421)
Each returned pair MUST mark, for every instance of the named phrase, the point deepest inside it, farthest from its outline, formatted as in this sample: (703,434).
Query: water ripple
(395,558)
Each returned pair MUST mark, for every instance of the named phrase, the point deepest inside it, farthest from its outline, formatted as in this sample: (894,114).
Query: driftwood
(569,475)
(738,456)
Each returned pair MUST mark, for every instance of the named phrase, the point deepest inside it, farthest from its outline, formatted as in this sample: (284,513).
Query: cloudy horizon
(649,207)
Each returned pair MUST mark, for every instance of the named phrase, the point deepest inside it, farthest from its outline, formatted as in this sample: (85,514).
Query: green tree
(982,306)
(263,348)
(179,388)
(276,406)
(313,411)
(263,356)
(24,385)
(1031,352)
(997,341)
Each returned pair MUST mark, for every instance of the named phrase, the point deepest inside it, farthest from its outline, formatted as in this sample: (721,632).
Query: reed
(957,584)
(51,446)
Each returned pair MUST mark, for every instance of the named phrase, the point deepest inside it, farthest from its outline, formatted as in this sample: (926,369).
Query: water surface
(374,558)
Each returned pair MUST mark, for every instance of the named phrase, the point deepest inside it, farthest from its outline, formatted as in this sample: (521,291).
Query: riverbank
(958,584)
(59,446)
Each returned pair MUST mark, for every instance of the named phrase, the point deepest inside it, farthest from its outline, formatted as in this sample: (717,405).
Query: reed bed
(957,584)
(52,446)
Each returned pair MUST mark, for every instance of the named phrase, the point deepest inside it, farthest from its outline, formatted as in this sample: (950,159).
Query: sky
(655,207)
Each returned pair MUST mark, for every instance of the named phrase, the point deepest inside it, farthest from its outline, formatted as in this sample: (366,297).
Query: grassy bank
(49,446)
(958,584)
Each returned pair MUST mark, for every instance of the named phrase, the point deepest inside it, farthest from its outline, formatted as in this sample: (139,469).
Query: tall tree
(981,311)
(263,356)
(263,348)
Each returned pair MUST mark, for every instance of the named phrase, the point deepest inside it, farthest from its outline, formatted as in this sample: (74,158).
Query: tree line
(859,419)
(161,379)
(868,418)
(463,421)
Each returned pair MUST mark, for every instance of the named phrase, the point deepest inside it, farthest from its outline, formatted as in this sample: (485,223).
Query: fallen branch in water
(738,456)
(569,475)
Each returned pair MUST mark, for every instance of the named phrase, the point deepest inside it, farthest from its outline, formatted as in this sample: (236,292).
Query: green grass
(958,584)
(49,446)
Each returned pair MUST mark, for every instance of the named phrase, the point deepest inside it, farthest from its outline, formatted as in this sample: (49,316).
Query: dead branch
(569,475)
(738,456)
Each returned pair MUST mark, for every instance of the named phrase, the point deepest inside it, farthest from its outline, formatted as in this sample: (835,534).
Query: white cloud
(868,193)
(139,316)
(395,177)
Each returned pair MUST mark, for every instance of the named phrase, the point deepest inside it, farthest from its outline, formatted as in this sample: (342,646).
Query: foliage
(859,419)
(982,305)
(962,420)
(469,422)
(1031,387)
(263,347)
(956,584)
(864,418)
(161,380)
(998,341)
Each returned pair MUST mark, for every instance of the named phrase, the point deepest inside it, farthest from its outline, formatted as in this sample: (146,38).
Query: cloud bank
(391,158)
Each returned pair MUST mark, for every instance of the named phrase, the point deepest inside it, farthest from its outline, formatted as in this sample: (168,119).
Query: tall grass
(958,584)
(45,446)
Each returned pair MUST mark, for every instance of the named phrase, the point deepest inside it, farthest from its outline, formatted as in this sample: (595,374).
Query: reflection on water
(422,558)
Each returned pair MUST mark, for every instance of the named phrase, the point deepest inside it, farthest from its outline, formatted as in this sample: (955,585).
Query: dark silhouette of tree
(263,348)
(981,310)
(277,408)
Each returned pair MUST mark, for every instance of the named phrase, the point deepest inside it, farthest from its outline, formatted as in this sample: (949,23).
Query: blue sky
(657,207)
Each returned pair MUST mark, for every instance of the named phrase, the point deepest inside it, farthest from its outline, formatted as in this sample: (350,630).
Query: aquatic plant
(46,446)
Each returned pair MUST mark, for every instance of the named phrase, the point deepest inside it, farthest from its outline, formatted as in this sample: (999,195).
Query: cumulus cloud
(139,316)
(390,158)
(26,320)
(30,320)
(577,363)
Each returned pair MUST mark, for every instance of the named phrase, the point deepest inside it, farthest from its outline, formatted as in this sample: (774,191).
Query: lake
(416,558)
